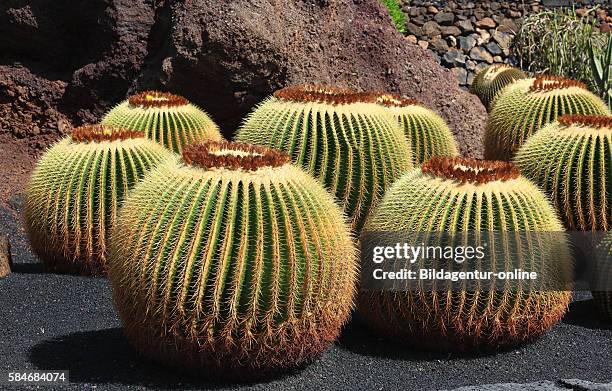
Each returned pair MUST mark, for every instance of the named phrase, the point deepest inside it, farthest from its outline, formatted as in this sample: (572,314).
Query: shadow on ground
(105,357)
(583,313)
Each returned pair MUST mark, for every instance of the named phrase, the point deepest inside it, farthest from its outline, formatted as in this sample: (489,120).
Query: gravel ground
(57,322)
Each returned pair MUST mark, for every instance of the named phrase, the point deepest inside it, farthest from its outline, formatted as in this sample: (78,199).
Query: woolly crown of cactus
(426,131)
(570,160)
(233,263)
(75,190)
(457,195)
(527,105)
(171,120)
(489,81)
(351,144)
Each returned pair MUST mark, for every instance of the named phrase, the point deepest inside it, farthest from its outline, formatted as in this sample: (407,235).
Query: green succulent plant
(426,131)
(396,13)
(75,190)
(489,81)
(570,160)
(170,120)
(527,105)
(234,263)
(345,139)
(602,279)
(460,196)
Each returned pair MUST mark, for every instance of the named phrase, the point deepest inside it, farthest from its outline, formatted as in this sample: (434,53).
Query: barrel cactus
(489,81)
(344,138)
(75,190)
(234,263)
(602,277)
(426,131)
(169,119)
(525,106)
(459,196)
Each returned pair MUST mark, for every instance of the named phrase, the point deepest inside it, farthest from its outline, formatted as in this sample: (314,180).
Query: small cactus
(527,105)
(170,120)
(457,195)
(489,81)
(351,144)
(570,160)
(235,263)
(75,190)
(426,131)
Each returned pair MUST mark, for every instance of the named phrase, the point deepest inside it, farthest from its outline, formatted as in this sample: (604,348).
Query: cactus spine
(170,120)
(489,81)
(570,160)
(351,144)
(75,190)
(235,263)
(464,195)
(426,131)
(525,106)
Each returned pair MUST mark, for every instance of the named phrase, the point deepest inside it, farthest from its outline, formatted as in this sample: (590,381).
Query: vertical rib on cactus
(170,120)
(236,263)
(527,105)
(489,81)
(457,195)
(75,190)
(570,160)
(342,137)
(426,131)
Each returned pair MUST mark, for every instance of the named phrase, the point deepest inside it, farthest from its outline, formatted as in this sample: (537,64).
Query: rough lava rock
(225,56)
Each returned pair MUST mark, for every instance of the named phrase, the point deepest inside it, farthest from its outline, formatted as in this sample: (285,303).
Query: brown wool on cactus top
(100,133)
(157,99)
(234,156)
(395,100)
(313,93)
(593,121)
(543,83)
(470,170)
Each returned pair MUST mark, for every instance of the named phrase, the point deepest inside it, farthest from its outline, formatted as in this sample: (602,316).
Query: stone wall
(467,36)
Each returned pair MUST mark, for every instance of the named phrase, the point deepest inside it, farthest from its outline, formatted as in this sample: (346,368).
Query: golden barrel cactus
(233,263)
(489,81)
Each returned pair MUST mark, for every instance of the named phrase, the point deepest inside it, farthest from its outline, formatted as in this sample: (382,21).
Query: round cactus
(489,81)
(170,120)
(525,106)
(570,160)
(344,138)
(456,195)
(602,277)
(235,263)
(75,190)
(426,131)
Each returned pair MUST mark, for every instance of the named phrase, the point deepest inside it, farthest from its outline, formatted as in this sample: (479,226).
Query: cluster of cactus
(170,120)
(489,81)
(457,195)
(525,106)
(570,160)
(234,262)
(75,190)
(426,131)
(342,137)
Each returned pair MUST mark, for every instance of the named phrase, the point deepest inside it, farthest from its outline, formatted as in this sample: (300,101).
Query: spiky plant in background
(602,277)
(236,263)
(75,190)
(527,105)
(169,119)
(570,160)
(426,131)
(489,81)
(456,195)
(351,144)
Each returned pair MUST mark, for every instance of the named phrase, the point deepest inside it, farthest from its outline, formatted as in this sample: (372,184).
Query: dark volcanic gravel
(62,322)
